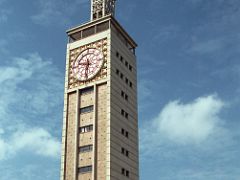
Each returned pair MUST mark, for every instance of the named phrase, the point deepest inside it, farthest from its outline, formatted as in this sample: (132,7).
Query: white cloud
(3,149)
(37,84)
(193,122)
(36,140)
(31,92)
(208,46)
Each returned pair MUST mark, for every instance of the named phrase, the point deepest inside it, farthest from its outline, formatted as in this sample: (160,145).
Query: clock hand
(86,69)
(82,64)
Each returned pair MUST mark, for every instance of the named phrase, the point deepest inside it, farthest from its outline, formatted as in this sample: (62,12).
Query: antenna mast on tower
(101,8)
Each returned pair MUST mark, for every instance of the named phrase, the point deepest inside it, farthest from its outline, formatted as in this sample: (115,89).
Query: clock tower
(100,120)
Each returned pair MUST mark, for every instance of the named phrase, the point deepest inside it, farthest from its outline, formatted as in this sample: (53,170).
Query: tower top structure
(101,8)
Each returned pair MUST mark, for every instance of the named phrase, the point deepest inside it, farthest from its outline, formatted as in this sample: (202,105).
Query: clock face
(88,64)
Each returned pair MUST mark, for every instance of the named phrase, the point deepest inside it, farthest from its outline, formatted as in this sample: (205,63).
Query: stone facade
(100,129)
(71,136)
(101,132)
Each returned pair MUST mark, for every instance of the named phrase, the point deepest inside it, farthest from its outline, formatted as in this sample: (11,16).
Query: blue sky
(189,86)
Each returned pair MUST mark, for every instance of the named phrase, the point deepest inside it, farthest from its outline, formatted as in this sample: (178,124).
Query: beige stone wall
(71,136)
(118,121)
(101,131)
(87,176)
(86,100)
(85,119)
(98,117)
(100,121)
(85,139)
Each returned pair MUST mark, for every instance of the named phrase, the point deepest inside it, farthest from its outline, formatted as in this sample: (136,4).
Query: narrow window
(122,94)
(85,169)
(85,129)
(126,97)
(86,109)
(130,67)
(123,171)
(127,173)
(126,134)
(126,115)
(117,54)
(84,149)
(122,112)
(126,80)
(123,131)
(121,59)
(117,71)
(86,90)
(121,75)
(126,63)
(123,151)
(130,84)
(127,153)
